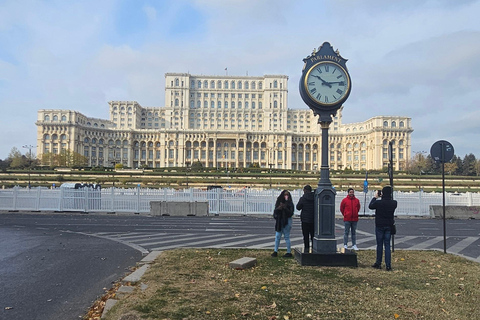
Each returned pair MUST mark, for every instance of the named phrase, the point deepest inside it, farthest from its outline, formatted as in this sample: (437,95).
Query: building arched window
(226,84)
(199,104)
(246,85)
(177,82)
(260,85)
(212,84)
(275,84)
(199,84)
(176,102)
(192,104)
(219,84)
(233,104)
(402,124)
(55,118)
(385,124)
(253,85)
(275,104)
(394,124)
(205,84)
(239,104)
(226,104)
(239,84)
(212,104)
(205,104)
(64,118)
(46,118)
(260,105)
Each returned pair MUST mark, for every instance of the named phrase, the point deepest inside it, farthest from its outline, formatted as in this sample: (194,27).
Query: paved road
(162,233)
(49,273)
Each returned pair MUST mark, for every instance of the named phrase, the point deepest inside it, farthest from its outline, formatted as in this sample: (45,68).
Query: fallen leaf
(8,308)
(207,312)
(378,289)
(396,316)
(402,259)
(264,288)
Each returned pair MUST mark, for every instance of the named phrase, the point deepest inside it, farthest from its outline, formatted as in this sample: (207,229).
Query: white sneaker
(355,248)
(345,246)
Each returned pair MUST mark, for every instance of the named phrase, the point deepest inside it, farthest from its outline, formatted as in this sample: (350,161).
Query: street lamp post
(29,147)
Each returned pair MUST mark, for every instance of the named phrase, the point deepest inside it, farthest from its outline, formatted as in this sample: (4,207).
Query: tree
(66,158)
(450,167)
(197,166)
(17,160)
(458,161)
(468,165)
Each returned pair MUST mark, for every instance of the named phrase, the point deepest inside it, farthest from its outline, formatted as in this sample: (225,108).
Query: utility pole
(29,147)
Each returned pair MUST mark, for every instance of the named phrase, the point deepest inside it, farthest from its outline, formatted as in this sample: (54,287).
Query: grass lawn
(199,284)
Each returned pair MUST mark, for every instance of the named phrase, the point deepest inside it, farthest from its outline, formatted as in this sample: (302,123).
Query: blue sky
(414,58)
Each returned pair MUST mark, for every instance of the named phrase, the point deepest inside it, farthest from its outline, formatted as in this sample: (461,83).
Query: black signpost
(442,151)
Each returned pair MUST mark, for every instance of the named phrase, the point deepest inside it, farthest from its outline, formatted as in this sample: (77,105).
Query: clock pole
(324,86)
(324,219)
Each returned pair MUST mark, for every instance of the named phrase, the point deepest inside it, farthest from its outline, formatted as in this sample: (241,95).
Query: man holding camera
(384,222)
(349,207)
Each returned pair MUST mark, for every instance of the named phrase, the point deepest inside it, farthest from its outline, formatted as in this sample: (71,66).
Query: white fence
(221,202)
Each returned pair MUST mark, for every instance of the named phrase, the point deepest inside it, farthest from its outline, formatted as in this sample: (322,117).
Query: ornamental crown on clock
(327,83)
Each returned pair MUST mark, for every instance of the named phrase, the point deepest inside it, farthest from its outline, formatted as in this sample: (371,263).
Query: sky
(412,58)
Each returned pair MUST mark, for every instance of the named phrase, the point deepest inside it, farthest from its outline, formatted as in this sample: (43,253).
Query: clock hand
(325,83)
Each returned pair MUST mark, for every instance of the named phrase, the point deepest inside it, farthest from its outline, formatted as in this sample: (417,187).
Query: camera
(379,192)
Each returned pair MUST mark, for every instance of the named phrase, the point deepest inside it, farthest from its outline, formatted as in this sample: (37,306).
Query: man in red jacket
(349,207)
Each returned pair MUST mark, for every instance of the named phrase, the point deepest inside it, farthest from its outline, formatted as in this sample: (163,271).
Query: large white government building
(222,121)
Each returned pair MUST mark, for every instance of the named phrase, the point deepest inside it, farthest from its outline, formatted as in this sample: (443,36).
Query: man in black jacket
(384,220)
(306,204)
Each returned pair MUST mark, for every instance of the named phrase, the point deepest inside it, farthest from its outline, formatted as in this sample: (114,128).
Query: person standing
(349,207)
(283,213)
(384,220)
(306,205)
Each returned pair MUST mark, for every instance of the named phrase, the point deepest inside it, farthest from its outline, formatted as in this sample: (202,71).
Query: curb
(131,280)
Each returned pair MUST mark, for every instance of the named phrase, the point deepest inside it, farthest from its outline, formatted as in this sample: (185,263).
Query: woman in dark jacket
(384,220)
(283,221)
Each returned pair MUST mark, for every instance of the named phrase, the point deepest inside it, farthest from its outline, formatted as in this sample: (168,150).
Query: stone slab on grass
(243,263)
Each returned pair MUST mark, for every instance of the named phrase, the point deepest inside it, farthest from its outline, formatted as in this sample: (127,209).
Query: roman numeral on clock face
(339,91)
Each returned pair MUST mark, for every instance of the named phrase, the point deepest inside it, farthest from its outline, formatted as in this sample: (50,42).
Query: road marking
(425,244)
(459,246)
(196,243)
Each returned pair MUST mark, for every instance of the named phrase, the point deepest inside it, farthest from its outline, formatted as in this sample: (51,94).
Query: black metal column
(324,237)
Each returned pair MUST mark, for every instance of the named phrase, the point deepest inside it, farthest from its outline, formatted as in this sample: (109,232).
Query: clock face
(327,83)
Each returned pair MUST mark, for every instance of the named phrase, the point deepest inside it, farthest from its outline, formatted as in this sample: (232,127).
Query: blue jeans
(350,225)
(383,235)
(286,234)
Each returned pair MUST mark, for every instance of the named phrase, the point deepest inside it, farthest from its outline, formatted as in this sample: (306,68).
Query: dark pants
(307,231)
(383,235)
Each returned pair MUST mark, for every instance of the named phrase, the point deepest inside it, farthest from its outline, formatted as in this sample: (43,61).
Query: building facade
(222,121)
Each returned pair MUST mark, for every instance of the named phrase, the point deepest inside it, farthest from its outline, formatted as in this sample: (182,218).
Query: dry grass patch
(199,284)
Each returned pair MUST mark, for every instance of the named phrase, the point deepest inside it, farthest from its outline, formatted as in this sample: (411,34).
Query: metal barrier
(220,201)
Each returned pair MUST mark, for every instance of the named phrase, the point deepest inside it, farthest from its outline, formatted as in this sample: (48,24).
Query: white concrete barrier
(175,208)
